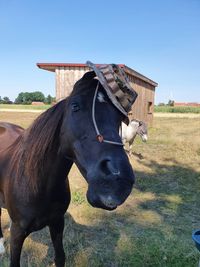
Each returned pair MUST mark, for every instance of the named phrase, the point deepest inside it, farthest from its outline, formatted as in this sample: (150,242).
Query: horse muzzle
(109,192)
(144,138)
(106,203)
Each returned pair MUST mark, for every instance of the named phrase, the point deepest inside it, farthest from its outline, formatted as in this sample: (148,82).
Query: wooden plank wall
(146,94)
(67,76)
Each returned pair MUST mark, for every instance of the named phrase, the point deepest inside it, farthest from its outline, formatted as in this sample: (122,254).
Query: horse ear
(126,120)
(140,123)
(86,78)
(89,75)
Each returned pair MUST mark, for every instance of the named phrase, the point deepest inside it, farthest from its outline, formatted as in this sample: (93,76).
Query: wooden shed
(67,74)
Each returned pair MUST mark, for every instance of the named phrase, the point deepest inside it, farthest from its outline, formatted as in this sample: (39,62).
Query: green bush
(177,109)
(28,98)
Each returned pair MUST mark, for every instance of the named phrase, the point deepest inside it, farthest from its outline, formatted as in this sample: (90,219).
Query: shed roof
(53,66)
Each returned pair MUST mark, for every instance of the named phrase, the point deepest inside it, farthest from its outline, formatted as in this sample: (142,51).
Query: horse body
(130,131)
(34,165)
(8,134)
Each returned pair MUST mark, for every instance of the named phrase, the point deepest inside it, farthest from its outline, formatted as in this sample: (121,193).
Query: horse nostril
(108,167)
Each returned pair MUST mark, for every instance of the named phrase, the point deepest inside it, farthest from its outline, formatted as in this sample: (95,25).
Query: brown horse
(8,134)
(34,164)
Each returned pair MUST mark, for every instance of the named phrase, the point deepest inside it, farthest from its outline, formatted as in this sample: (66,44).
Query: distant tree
(1,100)
(29,97)
(37,96)
(23,98)
(6,100)
(161,104)
(170,103)
(49,99)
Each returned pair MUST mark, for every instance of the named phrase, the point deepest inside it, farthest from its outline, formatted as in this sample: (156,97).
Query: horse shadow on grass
(171,183)
(79,245)
(176,201)
(143,227)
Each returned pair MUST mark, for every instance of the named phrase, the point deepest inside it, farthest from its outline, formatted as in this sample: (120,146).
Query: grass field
(177,109)
(153,228)
(13,106)
(165,109)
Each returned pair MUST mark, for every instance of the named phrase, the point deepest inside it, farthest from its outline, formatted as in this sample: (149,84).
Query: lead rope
(100,137)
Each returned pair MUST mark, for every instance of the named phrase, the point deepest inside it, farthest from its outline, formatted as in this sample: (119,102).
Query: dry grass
(153,228)
(177,115)
(22,118)
(26,107)
(171,109)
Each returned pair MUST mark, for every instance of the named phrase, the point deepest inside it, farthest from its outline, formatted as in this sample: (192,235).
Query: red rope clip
(100,138)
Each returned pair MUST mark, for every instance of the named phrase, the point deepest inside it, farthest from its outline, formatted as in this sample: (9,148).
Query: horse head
(90,138)
(142,131)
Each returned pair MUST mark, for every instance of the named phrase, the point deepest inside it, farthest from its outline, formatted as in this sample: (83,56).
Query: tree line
(170,103)
(26,98)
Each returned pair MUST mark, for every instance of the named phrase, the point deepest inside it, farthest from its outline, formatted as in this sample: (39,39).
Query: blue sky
(160,39)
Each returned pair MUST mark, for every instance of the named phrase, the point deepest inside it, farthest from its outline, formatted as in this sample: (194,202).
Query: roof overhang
(139,76)
(53,66)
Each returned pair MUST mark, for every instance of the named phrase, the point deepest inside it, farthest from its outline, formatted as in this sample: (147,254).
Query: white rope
(95,123)
(93,110)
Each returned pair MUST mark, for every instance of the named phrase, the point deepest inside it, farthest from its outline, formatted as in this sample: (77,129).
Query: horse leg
(18,236)
(2,249)
(130,144)
(10,223)
(56,228)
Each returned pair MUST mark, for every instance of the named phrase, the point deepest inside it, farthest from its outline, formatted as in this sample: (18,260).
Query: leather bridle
(116,85)
(99,136)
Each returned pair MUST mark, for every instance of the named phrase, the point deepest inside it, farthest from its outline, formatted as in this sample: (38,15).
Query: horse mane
(35,145)
(31,149)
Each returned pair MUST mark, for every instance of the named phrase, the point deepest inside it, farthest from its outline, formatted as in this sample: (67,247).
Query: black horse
(33,168)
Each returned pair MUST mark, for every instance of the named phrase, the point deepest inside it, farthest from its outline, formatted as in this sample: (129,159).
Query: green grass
(177,109)
(152,228)
(78,197)
(13,106)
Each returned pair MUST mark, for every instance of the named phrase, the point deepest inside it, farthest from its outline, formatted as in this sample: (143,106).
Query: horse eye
(75,107)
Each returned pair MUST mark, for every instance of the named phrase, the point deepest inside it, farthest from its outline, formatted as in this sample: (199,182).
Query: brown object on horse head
(116,84)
